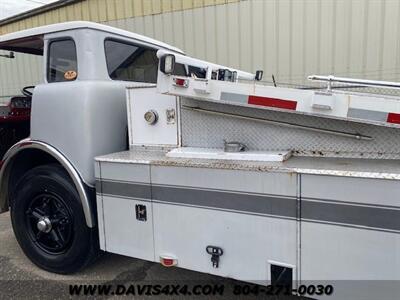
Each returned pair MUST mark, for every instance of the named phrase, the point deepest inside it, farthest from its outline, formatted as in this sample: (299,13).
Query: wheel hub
(49,223)
(44,225)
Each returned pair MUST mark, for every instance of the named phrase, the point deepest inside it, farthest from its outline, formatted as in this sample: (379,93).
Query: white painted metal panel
(367,191)
(252,182)
(250,215)
(348,231)
(350,236)
(359,264)
(248,241)
(196,207)
(124,234)
(119,230)
(125,172)
(338,253)
(163,131)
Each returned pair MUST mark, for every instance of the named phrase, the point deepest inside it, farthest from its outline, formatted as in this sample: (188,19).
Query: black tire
(64,244)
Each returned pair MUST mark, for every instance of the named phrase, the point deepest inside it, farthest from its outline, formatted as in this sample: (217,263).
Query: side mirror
(259,75)
(11,55)
(167,64)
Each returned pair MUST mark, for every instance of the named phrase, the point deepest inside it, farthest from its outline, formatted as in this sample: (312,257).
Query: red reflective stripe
(273,102)
(393,118)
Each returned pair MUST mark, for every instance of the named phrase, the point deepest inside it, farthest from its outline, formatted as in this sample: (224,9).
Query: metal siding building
(288,38)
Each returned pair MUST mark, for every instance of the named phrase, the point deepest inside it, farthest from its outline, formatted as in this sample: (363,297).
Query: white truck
(140,150)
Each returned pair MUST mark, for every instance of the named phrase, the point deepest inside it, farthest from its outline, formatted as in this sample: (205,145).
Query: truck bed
(324,219)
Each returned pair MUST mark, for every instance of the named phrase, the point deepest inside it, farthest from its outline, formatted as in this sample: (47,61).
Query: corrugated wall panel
(199,36)
(390,46)
(110,10)
(290,39)
(356,38)
(270,38)
(232,34)
(187,19)
(298,52)
(245,35)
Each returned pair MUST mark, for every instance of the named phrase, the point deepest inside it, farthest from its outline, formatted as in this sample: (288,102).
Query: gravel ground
(20,279)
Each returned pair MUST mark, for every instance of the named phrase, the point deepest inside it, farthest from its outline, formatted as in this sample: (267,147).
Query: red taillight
(181,82)
(168,261)
(393,118)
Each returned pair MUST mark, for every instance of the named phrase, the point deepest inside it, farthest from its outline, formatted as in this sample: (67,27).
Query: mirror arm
(11,55)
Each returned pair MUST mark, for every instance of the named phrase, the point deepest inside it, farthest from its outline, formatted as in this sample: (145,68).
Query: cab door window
(62,61)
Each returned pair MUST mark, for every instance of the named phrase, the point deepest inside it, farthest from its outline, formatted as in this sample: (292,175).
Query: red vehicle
(14,120)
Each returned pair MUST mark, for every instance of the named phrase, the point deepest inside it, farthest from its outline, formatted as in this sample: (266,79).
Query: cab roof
(31,40)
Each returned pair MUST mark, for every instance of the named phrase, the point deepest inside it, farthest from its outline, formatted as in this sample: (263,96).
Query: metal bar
(280,123)
(10,55)
(364,82)
(298,231)
(333,87)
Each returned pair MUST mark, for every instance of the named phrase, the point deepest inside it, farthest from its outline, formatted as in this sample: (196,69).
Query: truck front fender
(27,144)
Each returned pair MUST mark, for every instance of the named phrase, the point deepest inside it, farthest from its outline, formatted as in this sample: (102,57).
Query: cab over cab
(78,112)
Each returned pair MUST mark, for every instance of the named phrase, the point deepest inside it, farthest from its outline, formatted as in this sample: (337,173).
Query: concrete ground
(20,279)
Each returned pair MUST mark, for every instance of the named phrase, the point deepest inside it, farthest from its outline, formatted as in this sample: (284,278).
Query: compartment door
(350,228)
(126,209)
(251,216)
(152,117)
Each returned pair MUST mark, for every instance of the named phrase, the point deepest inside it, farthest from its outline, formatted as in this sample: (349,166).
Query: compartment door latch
(215,253)
(141,213)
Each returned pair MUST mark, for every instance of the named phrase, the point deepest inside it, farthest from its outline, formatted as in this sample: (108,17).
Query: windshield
(18,72)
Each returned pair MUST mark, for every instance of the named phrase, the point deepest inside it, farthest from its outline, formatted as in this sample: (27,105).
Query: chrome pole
(363,82)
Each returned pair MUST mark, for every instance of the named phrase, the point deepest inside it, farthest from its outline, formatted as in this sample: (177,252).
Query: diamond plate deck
(209,131)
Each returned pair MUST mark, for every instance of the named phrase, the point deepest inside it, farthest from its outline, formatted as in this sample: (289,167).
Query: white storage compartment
(152,117)
(125,210)
(350,228)
(124,232)
(251,216)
